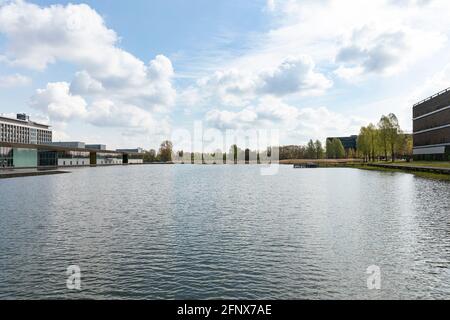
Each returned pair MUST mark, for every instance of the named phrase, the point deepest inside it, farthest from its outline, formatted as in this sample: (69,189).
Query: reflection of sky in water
(224,232)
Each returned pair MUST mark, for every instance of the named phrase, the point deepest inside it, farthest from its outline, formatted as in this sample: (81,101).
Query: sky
(133,73)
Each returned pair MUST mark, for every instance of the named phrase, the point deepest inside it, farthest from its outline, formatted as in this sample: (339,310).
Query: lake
(219,232)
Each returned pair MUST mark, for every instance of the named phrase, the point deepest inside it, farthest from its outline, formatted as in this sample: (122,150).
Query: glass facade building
(47,158)
(25,158)
(104,158)
(16,155)
(6,157)
(73,158)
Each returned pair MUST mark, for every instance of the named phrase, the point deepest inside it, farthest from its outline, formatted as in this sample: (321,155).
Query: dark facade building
(431,127)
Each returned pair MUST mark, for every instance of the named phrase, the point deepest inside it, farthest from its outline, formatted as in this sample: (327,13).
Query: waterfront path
(17,173)
(412,168)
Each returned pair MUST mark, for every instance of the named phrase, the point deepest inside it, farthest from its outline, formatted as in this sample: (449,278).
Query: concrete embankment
(411,168)
(7,174)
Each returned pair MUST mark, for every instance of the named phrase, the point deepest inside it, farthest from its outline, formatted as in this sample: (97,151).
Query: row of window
(440,136)
(19,134)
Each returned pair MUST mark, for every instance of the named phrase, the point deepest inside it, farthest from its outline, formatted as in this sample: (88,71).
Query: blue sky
(131,74)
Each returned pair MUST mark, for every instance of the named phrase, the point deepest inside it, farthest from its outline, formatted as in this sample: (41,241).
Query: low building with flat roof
(19,155)
(96,146)
(431,127)
(70,144)
(137,150)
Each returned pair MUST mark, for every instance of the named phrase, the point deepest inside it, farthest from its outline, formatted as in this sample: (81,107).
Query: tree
(165,151)
(373,135)
(150,156)
(234,152)
(311,150)
(363,144)
(405,146)
(393,134)
(339,149)
(389,130)
(335,149)
(330,149)
(383,128)
(319,149)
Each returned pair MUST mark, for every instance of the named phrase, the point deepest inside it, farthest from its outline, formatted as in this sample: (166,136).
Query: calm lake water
(204,232)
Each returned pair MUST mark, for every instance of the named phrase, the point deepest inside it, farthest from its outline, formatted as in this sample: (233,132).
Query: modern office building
(17,155)
(14,155)
(28,144)
(22,130)
(100,156)
(431,127)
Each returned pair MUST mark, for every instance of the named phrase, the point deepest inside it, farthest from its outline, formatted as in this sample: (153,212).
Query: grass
(427,175)
(357,164)
(433,164)
(322,162)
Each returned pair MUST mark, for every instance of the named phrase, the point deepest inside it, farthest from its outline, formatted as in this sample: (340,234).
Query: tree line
(384,141)
(164,153)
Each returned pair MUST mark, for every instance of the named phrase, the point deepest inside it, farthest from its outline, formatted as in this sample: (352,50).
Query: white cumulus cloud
(294,75)
(59,103)
(37,36)
(296,125)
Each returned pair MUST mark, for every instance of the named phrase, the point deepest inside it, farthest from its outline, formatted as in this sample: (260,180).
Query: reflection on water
(153,232)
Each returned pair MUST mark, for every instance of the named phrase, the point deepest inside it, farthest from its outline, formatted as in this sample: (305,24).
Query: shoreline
(434,171)
(437,172)
(17,173)
(419,172)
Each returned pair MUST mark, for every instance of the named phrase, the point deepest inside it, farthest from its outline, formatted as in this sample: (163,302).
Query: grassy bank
(358,164)
(431,164)
(428,175)
(323,162)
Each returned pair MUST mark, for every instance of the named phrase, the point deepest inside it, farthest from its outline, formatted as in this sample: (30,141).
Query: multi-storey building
(22,130)
(431,126)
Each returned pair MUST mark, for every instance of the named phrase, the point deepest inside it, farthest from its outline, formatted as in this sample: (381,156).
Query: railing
(432,97)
